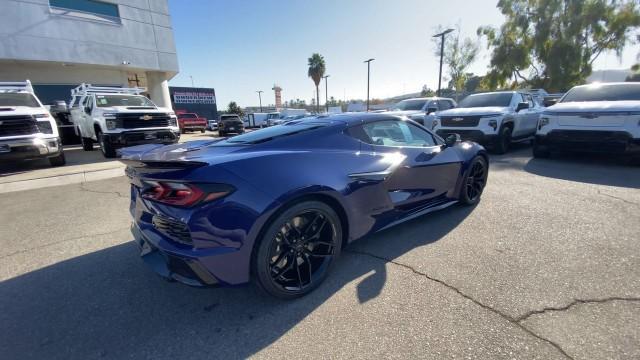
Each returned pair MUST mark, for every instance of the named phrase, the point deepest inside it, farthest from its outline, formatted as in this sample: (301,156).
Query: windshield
(613,92)
(273,132)
(18,99)
(122,100)
(188,116)
(416,104)
(486,100)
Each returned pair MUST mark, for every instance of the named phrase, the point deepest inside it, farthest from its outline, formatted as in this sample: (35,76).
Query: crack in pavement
(60,242)
(575,302)
(618,198)
(117,193)
(507,317)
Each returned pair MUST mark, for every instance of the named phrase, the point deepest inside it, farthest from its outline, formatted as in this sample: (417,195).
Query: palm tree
(316,72)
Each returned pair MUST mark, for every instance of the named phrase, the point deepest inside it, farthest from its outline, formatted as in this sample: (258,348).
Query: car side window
(444,105)
(396,133)
(530,101)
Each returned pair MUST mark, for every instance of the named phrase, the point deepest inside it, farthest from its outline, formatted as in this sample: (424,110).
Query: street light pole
(441,35)
(191,81)
(368,76)
(326,92)
(260,98)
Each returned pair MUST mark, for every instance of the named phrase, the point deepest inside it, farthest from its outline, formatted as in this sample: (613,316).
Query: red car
(191,121)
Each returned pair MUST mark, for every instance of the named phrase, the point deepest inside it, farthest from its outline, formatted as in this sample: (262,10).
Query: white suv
(27,129)
(494,119)
(592,118)
(119,117)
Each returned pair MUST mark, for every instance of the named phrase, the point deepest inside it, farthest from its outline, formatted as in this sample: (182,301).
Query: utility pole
(192,81)
(326,92)
(441,35)
(368,76)
(260,98)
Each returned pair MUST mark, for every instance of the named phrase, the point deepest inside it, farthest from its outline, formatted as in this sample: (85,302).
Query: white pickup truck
(27,129)
(495,119)
(592,118)
(119,117)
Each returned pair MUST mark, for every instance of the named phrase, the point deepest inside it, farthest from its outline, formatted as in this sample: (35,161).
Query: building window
(90,9)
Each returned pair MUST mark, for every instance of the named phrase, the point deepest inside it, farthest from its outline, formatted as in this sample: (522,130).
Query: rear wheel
(58,160)
(87,144)
(202,131)
(474,182)
(503,141)
(297,250)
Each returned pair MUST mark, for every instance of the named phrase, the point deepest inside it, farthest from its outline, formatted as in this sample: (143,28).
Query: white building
(58,44)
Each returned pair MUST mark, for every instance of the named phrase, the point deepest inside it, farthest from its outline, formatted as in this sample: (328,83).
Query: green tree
(635,76)
(317,67)
(552,44)
(459,54)
(233,108)
(427,92)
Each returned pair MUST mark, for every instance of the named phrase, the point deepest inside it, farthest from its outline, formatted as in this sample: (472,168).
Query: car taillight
(183,194)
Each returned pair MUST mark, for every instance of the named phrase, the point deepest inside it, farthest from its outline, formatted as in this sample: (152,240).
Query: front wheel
(202,131)
(474,182)
(58,160)
(503,141)
(540,151)
(297,250)
(106,147)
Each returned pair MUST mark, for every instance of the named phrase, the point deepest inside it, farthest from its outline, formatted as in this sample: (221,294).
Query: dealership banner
(201,101)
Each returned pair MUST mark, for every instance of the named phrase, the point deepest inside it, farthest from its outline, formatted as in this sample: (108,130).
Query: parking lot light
(441,35)
(326,92)
(368,75)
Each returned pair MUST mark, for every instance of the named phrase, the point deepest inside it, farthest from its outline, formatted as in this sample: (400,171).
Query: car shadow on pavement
(107,304)
(588,168)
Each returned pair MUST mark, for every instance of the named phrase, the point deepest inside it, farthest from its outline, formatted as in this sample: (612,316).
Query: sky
(241,46)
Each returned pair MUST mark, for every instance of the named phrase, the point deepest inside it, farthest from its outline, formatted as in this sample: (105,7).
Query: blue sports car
(277,205)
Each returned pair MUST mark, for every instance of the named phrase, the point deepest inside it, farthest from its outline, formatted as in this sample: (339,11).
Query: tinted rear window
(188,116)
(18,99)
(486,100)
(613,92)
(273,132)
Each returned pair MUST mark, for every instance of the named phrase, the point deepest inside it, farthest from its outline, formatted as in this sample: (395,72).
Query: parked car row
(594,118)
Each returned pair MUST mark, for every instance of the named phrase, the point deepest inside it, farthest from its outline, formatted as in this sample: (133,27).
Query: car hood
(475,111)
(591,106)
(20,110)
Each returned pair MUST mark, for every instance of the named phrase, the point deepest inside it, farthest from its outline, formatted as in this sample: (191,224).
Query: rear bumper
(616,142)
(470,135)
(171,265)
(139,137)
(30,148)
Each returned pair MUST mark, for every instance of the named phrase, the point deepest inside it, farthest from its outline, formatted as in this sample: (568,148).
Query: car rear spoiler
(144,167)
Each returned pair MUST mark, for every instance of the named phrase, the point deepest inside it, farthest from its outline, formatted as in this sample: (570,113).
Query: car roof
(353,118)
(630,83)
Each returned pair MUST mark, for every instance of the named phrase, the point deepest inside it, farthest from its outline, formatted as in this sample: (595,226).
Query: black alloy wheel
(298,250)
(475,181)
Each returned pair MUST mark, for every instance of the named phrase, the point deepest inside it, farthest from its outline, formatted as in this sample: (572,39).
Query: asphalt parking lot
(546,266)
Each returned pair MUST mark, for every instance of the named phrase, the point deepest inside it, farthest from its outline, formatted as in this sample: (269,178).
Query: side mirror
(431,110)
(522,106)
(550,102)
(87,110)
(452,139)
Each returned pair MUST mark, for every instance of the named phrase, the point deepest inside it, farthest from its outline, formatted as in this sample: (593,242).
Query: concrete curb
(57,180)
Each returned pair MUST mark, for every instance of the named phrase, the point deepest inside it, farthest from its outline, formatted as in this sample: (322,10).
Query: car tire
(183,131)
(474,181)
(541,152)
(58,160)
(202,131)
(222,134)
(106,147)
(286,263)
(503,141)
(87,143)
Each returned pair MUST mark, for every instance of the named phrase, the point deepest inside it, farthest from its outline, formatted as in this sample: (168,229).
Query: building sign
(194,97)
(201,101)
